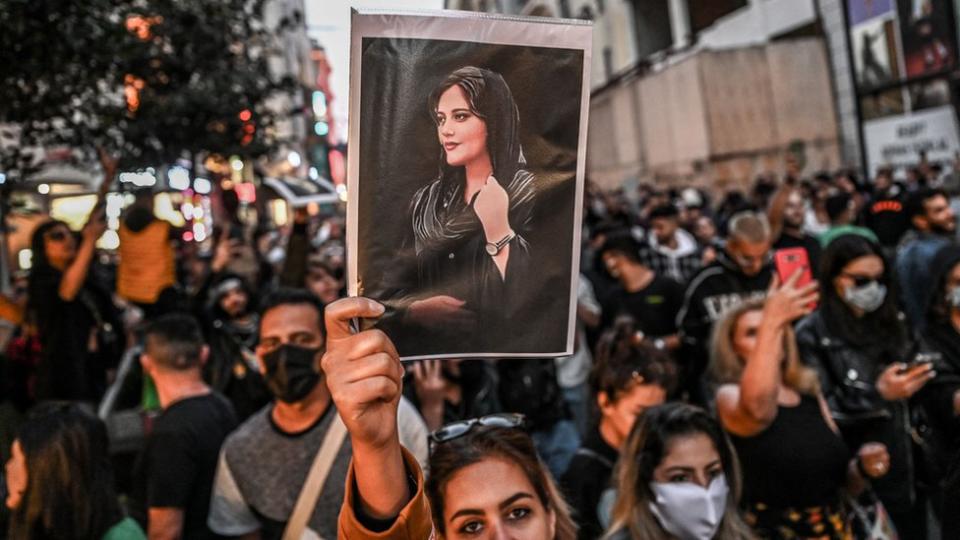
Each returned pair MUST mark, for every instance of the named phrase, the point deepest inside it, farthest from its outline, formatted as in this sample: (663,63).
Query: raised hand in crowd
(430,387)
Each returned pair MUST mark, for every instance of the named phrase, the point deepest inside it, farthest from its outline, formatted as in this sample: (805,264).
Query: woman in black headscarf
(471,223)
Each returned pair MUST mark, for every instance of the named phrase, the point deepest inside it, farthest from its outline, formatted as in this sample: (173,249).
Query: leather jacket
(848,374)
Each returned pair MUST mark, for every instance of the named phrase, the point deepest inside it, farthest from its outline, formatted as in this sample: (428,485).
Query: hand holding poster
(467,137)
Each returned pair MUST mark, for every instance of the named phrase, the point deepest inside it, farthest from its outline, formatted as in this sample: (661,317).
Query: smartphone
(787,261)
(922,358)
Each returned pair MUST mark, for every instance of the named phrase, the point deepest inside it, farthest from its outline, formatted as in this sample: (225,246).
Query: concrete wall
(718,118)
(834,29)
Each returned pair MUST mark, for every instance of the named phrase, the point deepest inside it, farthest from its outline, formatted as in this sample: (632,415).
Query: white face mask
(867,298)
(687,511)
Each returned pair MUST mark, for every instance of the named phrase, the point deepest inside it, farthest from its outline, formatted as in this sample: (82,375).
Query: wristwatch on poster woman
(494,248)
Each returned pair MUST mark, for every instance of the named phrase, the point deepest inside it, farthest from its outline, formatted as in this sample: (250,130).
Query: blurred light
(114,205)
(140,179)
(319,103)
(163,208)
(198,214)
(128,199)
(314,174)
(342,191)
(43,189)
(294,158)
(113,223)
(109,240)
(236,164)
(246,192)
(3,178)
(188,236)
(25,258)
(178,178)
(202,185)
(321,128)
(187,210)
(245,116)
(198,231)
(73,211)
(278,208)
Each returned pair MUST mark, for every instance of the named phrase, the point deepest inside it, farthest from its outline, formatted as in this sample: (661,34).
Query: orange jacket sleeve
(413,523)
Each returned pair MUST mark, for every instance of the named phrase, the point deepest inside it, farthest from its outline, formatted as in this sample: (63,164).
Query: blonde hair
(726,366)
(646,446)
(750,227)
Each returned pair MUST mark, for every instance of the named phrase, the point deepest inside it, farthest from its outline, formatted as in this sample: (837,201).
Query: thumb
(337,316)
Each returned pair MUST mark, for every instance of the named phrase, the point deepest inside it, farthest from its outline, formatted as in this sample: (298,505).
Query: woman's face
(620,414)
(493,499)
(859,272)
(689,458)
(60,246)
(462,133)
(16,474)
(745,333)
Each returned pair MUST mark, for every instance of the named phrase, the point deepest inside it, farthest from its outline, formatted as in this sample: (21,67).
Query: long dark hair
(865,331)
(40,267)
(489,98)
(436,224)
(645,448)
(510,444)
(69,493)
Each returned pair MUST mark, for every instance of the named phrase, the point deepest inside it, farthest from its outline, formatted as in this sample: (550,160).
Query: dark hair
(837,204)
(41,267)
(664,211)
(510,444)
(175,341)
(648,443)
(622,360)
(914,205)
(289,296)
(69,493)
(489,98)
(859,331)
(942,265)
(623,243)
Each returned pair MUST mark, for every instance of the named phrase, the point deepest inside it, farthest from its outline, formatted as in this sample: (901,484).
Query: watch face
(492,249)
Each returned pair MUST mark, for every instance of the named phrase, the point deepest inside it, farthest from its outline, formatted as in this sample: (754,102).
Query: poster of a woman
(465,180)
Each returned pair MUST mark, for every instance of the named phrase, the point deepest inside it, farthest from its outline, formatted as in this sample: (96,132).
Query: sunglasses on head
(456,430)
(860,281)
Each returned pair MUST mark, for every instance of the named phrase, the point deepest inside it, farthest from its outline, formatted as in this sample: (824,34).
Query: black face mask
(291,372)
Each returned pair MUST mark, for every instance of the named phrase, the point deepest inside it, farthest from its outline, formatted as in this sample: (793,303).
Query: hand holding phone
(788,262)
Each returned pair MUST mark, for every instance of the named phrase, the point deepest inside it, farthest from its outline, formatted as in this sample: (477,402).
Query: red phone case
(788,261)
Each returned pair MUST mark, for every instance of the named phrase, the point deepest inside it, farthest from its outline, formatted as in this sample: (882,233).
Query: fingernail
(933,374)
(379,308)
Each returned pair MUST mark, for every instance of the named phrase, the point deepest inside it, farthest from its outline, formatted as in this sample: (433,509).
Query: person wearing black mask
(860,345)
(264,463)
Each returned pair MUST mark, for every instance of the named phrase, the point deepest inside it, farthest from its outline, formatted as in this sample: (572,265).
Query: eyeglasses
(456,430)
(860,281)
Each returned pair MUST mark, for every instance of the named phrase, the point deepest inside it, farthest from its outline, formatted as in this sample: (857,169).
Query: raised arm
(750,408)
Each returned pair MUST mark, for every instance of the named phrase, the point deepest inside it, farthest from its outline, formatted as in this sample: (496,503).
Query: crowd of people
(710,395)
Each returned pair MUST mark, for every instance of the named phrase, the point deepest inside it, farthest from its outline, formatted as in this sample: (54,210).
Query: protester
(673,251)
(795,464)
(934,225)
(146,274)
(230,325)
(574,370)
(678,477)
(861,348)
(842,212)
(886,215)
(59,480)
(630,376)
(446,391)
(176,469)
(264,463)
(741,272)
(785,214)
(940,398)
(81,336)
(644,295)
(486,480)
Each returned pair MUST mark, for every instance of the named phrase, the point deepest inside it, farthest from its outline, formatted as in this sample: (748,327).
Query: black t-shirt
(585,481)
(177,466)
(654,308)
(887,218)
